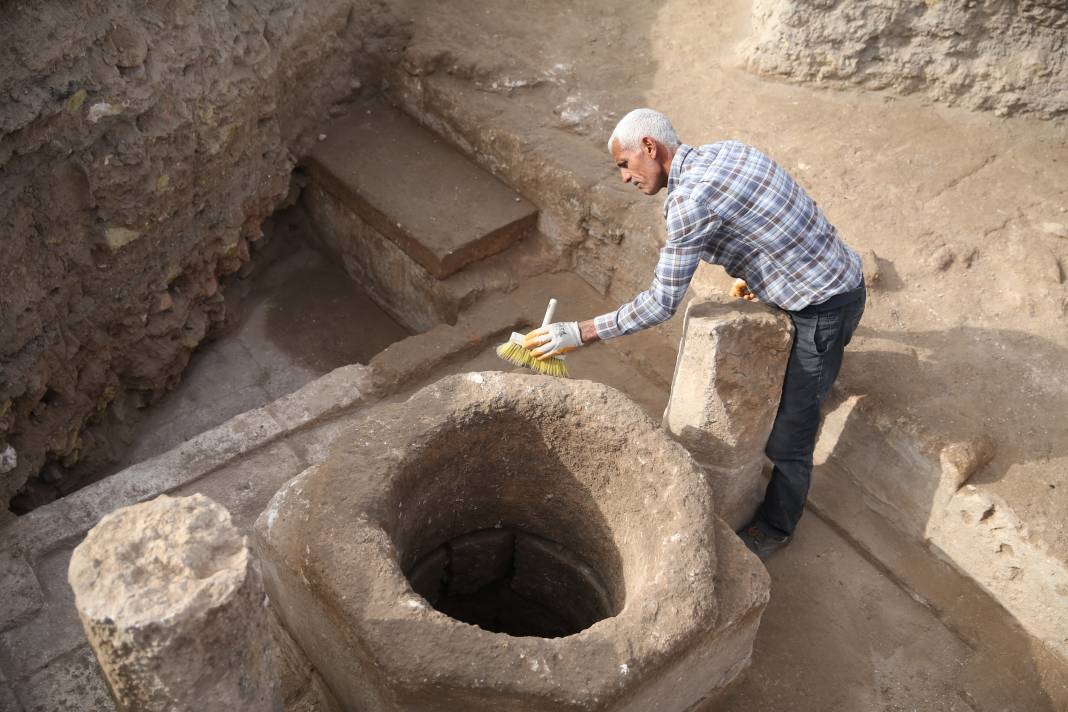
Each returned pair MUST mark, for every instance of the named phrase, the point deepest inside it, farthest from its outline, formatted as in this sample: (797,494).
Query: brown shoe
(761,540)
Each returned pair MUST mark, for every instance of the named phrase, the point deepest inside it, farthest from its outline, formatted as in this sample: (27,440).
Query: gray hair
(640,123)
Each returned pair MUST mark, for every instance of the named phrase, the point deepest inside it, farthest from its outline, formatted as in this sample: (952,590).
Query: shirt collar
(675,173)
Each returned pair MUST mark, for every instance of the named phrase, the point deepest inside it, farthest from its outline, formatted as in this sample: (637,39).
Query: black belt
(836,301)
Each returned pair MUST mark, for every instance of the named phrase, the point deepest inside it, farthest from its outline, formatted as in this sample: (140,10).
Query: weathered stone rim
(389,615)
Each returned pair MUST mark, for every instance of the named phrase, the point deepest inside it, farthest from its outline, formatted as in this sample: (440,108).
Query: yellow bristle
(515,354)
(551,367)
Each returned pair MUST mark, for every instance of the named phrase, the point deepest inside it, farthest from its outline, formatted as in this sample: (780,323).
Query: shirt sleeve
(689,227)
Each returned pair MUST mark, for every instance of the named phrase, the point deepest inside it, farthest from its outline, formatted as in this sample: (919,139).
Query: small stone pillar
(724,396)
(173,607)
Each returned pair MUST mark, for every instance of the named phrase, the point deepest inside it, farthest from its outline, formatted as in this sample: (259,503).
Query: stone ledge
(67,519)
(917,479)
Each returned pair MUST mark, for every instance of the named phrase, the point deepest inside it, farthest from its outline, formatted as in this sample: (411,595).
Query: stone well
(511,542)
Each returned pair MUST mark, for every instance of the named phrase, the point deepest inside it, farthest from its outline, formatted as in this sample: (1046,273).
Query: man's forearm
(588,332)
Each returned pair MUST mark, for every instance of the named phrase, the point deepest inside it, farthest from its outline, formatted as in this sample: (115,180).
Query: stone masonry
(614,527)
(728,379)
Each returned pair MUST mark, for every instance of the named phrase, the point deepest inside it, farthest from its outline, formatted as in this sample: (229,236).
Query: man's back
(769,232)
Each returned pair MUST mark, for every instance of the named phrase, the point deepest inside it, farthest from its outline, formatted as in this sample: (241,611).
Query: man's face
(641,166)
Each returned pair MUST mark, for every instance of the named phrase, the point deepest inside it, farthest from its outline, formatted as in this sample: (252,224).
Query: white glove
(740,290)
(554,339)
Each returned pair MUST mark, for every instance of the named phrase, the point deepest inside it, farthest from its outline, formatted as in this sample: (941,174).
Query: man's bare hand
(740,290)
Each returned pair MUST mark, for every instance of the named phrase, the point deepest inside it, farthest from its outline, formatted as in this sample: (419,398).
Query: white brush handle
(550,311)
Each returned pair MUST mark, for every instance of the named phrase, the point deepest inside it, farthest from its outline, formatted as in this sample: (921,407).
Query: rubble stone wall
(1007,56)
(141,145)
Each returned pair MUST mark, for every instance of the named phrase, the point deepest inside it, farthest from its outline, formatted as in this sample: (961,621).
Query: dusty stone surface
(300,686)
(20,594)
(919,482)
(728,380)
(53,632)
(136,171)
(1007,57)
(7,696)
(173,607)
(402,287)
(72,682)
(572,462)
(463,213)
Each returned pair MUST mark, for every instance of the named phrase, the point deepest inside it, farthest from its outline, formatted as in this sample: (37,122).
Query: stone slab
(20,596)
(725,394)
(340,389)
(8,701)
(245,486)
(73,682)
(55,629)
(413,187)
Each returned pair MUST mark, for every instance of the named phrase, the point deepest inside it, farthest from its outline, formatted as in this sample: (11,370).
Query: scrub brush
(514,352)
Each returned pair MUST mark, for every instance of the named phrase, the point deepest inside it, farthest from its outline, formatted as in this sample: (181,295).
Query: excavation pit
(516,542)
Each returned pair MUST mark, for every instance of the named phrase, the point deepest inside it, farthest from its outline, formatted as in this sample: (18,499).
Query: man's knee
(793,438)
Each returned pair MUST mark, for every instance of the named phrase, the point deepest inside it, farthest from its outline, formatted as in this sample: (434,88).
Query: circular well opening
(502,522)
(508,581)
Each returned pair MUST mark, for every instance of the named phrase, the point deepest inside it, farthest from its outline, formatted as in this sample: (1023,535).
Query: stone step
(414,188)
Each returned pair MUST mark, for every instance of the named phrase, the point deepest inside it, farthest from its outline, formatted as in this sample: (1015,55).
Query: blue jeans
(820,337)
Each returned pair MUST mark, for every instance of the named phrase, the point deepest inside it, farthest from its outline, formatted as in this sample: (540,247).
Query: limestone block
(173,608)
(728,379)
(739,490)
(331,393)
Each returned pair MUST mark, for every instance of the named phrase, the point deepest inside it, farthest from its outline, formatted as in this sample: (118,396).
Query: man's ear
(649,146)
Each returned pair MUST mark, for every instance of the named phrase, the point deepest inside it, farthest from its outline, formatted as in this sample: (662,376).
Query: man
(731,205)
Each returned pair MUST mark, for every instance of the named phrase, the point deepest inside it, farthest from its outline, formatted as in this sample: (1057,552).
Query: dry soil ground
(966,329)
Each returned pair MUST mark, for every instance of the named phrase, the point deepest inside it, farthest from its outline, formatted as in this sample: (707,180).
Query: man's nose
(625,175)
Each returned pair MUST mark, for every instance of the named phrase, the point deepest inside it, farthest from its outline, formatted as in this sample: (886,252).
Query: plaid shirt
(731,205)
